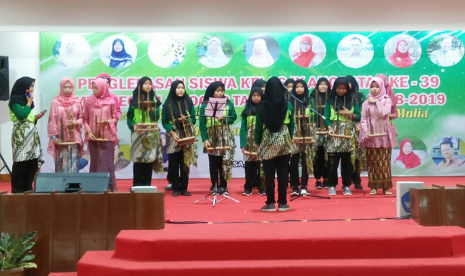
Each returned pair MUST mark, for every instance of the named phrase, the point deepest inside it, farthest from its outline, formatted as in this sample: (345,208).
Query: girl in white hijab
(164,54)
(260,57)
(215,57)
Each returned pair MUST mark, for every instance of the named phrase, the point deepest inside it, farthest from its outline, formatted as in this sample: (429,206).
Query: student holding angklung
(146,148)
(217,137)
(377,136)
(100,125)
(251,158)
(178,118)
(303,126)
(65,128)
(340,112)
(318,99)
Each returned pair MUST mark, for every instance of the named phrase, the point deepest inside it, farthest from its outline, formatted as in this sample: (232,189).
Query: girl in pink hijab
(107,78)
(65,128)
(375,120)
(393,98)
(100,121)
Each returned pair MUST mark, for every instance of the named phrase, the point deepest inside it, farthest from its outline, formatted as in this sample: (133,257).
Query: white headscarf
(260,57)
(162,58)
(214,60)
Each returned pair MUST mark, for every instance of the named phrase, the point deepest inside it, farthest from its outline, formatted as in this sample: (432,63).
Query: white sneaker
(346,190)
(304,192)
(332,191)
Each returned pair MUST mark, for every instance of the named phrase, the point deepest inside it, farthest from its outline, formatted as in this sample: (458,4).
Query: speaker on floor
(4,77)
(72,182)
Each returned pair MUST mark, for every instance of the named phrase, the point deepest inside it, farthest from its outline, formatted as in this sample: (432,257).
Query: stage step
(103,264)
(266,241)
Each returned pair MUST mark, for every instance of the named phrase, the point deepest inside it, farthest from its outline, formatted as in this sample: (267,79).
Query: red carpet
(291,248)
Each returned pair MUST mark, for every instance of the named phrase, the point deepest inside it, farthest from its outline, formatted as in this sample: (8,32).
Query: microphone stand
(303,156)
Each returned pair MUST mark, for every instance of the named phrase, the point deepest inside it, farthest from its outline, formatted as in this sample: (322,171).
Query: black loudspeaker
(4,77)
(72,182)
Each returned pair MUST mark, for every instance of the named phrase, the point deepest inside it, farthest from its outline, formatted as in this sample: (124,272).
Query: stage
(343,235)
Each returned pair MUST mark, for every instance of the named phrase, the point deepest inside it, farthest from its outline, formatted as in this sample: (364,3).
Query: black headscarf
(173,100)
(316,95)
(353,82)
(135,94)
(340,100)
(272,108)
(259,82)
(250,107)
(289,81)
(210,92)
(18,93)
(304,97)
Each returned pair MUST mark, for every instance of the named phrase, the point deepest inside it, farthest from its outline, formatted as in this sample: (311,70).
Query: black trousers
(320,165)
(178,177)
(280,165)
(216,163)
(252,175)
(294,171)
(22,175)
(142,174)
(346,168)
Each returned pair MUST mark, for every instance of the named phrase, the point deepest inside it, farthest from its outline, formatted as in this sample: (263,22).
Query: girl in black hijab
(318,99)
(220,160)
(273,134)
(27,150)
(252,163)
(179,157)
(146,148)
(300,91)
(289,83)
(340,114)
(360,153)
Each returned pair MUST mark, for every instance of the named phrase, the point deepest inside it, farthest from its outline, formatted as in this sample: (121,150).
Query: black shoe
(176,193)
(247,193)
(295,191)
(185,193)
(318,185)
(169,187)
(325,184)
(269,208)
(283,207)
(223,191)
(358,186)
(261,192)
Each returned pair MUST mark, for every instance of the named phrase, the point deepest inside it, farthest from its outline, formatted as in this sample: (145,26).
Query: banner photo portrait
(425,69)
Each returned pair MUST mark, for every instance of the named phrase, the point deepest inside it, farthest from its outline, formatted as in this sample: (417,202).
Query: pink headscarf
(63,99)
(406,61)
(380,83)
(304,59)
(104,75)
(104,98)
(389,90)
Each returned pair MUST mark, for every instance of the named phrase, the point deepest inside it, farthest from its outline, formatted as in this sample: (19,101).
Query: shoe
(211,187)
(304,191)
(373,192)
(318,185)
(358,186)
(223,191)
(261,192)
(169,187)
(247,193)
(332,191)
(295,191)
(283,207)
(269,208)
(176,193)
(185,193)
(346,190)
(325,184)
(387,192)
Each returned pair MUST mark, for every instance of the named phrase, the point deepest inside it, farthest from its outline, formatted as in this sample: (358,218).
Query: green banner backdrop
(425,69)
